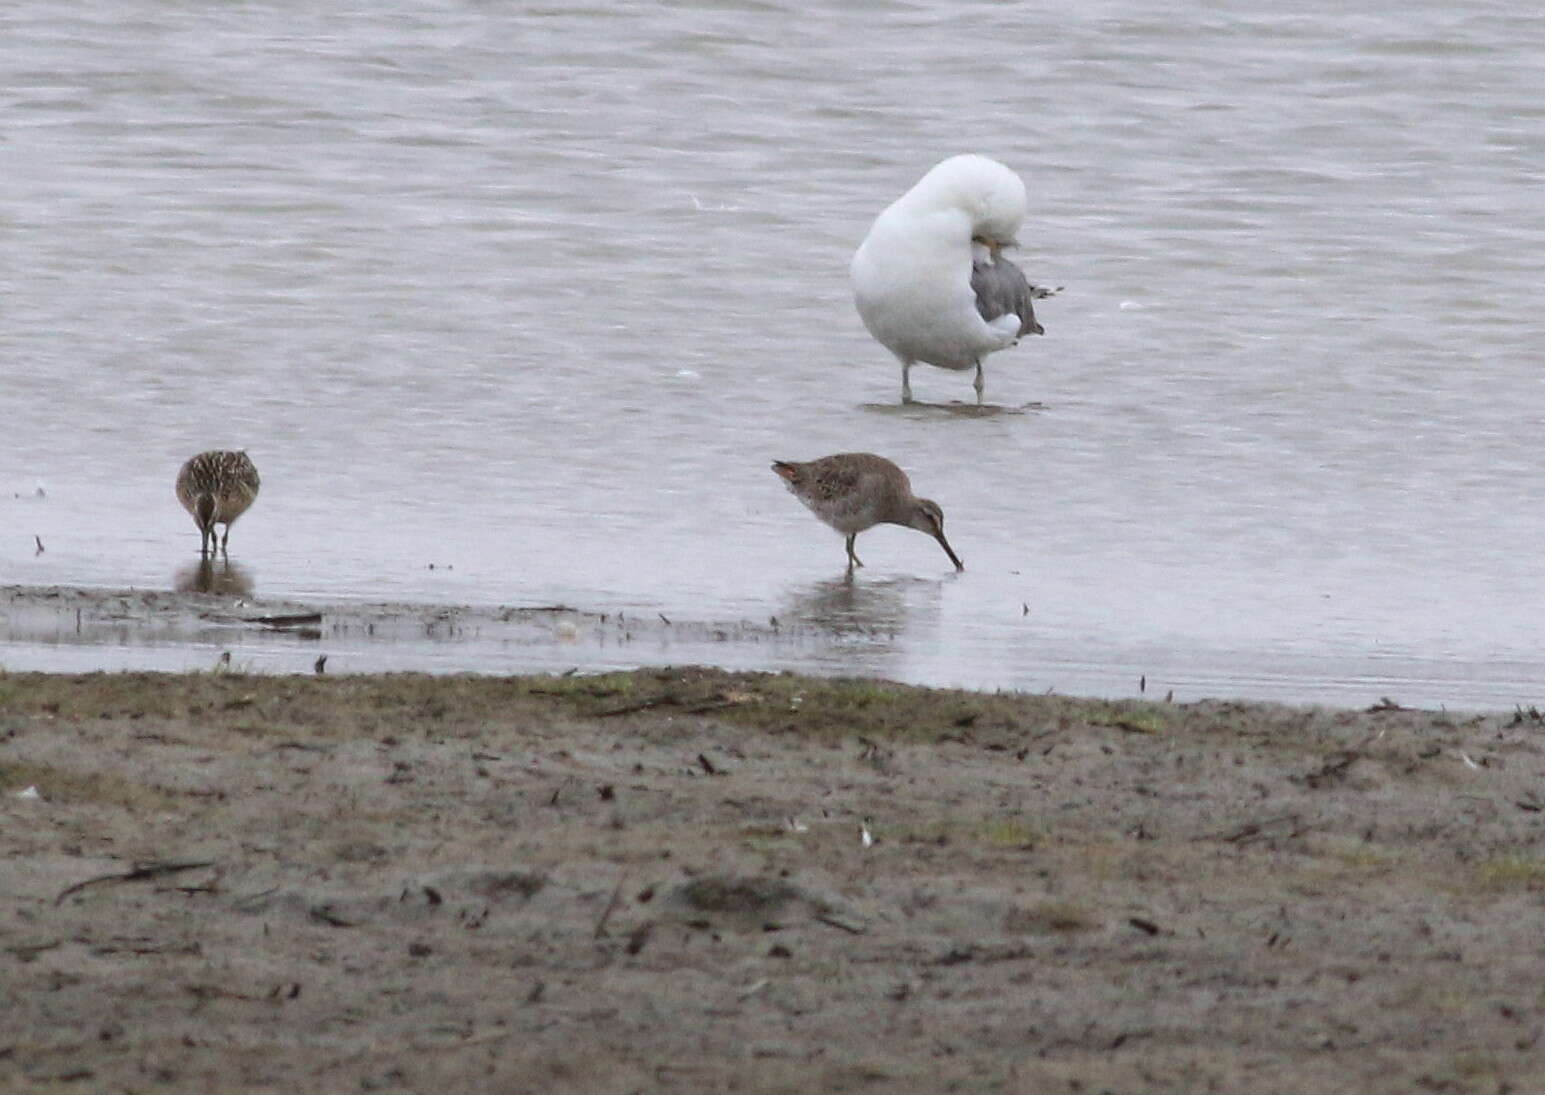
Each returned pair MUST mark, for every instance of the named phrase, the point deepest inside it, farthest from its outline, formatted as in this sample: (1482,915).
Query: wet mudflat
(660,881)
(67,628)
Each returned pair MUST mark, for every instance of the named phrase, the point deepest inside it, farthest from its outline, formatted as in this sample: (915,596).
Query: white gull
(930,280)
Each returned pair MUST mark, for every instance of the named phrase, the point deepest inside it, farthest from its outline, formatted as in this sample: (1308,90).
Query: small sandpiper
(854,491)
(216,488)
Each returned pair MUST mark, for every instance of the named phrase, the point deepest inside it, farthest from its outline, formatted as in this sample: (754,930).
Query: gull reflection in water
(209,576)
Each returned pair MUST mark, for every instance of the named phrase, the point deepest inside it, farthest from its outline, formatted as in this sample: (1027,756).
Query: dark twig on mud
(26,952)
(558,790)
(1334,768)
(1283,827)
(639,936)
(842,925)
(643,705)
(611,907)
(670,699)
(297,619)
(1266,829)
(140,873)
(323,914)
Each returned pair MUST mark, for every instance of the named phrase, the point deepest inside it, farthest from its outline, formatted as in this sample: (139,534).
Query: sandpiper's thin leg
(906,382)
(226,539)
(853,560)
(977,384)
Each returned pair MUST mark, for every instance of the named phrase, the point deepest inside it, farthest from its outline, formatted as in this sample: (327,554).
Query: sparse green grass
(1135,718)
(61,785)
(1357,855)
(817,709)
(1010,833)
(1510,872)
(993,832)
(1478,1071)
(600,685)
(1051,918)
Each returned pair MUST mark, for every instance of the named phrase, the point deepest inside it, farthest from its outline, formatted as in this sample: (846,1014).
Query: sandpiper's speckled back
(216,488)
(851,491)
(854,491)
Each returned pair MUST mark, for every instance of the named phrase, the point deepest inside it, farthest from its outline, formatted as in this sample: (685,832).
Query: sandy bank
(657,881)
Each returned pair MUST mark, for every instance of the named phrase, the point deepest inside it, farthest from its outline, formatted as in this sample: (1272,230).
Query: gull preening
(216,488)
(854,491)
(930,279)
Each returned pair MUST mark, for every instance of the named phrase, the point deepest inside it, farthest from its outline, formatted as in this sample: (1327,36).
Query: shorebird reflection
(840,606)
(209,575)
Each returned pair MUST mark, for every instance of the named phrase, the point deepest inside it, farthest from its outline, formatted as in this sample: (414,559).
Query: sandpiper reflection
(209,575)
(841,606)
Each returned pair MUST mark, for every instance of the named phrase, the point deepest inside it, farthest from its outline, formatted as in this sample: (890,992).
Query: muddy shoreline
(228,615)
(659,881)
(832,628)
(73,628)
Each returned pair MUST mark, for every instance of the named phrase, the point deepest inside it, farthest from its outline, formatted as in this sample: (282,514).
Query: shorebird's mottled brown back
(216,488)
(850,491)
(854,491)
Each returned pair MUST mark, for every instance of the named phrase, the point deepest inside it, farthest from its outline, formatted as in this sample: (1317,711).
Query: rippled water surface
(535,296)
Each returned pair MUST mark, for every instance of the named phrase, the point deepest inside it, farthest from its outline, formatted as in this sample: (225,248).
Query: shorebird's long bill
(945,544)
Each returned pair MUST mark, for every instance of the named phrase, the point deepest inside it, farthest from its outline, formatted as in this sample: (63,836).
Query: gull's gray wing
(1001,290)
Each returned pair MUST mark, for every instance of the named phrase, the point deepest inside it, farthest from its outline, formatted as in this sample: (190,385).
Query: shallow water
(516,308)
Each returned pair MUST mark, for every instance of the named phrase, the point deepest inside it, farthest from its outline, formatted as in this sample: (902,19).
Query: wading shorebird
(216,488)
(854,491)
(930,280)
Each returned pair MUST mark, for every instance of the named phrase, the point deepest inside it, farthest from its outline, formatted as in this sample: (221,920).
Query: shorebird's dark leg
(977,384)
(906,382)
(853,560)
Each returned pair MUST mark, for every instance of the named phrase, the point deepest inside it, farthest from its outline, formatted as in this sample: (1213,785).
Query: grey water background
(534,294)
